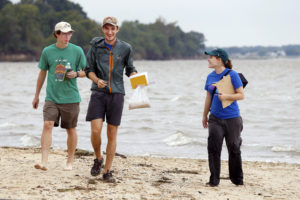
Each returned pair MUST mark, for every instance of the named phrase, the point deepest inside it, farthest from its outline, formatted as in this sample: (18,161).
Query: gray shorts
(68,113)
(105,105)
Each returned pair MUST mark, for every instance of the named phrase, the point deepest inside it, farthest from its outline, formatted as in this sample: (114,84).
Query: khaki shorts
(68,113)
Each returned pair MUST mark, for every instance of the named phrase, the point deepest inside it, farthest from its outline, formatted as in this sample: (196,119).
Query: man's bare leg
(72,143)
(46,141)
(111,146)
(96,128)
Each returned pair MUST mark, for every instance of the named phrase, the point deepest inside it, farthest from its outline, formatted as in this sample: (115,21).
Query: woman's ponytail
(228,64)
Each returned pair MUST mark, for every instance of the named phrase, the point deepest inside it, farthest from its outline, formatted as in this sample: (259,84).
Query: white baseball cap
(64,27)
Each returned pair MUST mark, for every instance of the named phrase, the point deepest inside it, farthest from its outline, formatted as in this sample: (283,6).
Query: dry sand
(139,178)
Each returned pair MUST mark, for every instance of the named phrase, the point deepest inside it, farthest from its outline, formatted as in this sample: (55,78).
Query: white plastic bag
(139,98)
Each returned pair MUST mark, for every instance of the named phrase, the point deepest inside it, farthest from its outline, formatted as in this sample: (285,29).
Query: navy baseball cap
(221,53)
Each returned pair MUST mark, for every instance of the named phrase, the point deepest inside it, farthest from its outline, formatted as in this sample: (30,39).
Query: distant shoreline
(31,58)
(17,58)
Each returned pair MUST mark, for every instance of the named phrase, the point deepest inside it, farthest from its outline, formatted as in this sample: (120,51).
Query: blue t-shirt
(109,46)
(217,109)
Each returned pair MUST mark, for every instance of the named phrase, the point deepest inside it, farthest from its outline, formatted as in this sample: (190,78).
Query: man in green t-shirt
(64,62)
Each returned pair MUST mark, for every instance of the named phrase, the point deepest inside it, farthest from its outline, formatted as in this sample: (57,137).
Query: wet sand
(139,178)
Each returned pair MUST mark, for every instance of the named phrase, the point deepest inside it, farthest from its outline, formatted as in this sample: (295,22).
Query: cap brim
(110,24)
(209,53)
(67,30)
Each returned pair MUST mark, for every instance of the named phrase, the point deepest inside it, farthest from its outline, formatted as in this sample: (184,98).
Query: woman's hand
(205,121)
(223,97)
(206,110)
(238,95)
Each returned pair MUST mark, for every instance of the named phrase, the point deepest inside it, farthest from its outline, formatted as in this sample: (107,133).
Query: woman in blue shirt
(223,122)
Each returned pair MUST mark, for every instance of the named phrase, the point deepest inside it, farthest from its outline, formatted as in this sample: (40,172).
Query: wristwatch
(77,74)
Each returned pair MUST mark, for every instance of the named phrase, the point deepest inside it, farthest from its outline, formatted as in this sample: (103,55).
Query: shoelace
(97,163)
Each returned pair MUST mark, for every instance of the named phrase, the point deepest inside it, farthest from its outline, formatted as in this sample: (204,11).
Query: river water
(172,126)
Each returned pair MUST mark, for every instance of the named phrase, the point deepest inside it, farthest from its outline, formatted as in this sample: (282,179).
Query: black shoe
(209,184)
(108,177)
(95,171)
(239,183)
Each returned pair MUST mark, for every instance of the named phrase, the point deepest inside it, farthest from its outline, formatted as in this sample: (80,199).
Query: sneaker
(108,177)
(95,171)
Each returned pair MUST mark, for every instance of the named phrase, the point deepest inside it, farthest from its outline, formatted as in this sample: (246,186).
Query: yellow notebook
(139,79)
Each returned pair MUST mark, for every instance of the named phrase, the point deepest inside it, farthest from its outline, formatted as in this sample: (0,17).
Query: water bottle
(68,69)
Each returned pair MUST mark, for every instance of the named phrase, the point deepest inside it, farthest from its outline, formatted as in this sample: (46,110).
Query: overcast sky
(223,22)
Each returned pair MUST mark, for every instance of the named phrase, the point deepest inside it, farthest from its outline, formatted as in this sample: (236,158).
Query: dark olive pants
(230,129)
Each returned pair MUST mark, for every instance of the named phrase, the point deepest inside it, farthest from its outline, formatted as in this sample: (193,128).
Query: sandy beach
(139,178)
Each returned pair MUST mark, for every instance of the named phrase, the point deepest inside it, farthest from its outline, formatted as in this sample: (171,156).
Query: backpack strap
(227,72)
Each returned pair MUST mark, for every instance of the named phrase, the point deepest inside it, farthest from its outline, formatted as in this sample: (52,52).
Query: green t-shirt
(55,61)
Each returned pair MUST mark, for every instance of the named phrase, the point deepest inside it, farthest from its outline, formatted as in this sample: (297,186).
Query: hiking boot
(108,177)
(95,171)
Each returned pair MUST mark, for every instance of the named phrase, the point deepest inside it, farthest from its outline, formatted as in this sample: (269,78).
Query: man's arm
(130,69)
(79,74)
(99,82)
(80,65)
(89,71)
(39,85)
(90,63)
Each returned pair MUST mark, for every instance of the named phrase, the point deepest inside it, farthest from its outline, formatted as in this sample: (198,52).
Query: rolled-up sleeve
(129,63)
(91,62)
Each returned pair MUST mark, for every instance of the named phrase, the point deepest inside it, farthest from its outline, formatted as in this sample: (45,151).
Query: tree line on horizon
(262,51)
(27,27)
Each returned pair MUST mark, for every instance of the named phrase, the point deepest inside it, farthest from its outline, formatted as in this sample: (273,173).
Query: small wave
(30,141)
(7,125)
(254,145)
(175,98)
(179,139)
(184,98)
(285,149)
(146,128)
